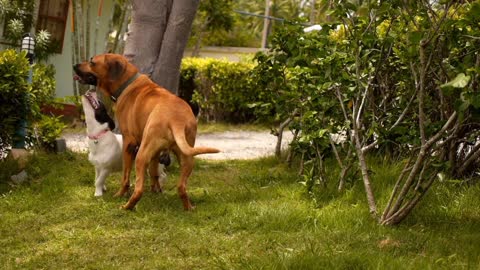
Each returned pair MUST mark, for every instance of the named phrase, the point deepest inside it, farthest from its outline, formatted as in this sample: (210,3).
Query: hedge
(220,88)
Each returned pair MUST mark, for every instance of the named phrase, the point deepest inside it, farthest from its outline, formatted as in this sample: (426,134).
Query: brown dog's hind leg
(128,150)
(186,167)
(148,148)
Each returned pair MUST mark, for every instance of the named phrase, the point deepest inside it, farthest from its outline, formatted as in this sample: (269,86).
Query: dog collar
(124,86)
(98,135)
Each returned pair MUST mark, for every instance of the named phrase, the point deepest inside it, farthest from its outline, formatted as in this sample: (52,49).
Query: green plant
(14,93)
(43,86)
(49,128)
(18,15)
(400,80)
(250,214)
(222,89)
(19,99)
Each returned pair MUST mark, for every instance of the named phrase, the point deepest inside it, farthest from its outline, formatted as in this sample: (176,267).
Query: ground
(233,144)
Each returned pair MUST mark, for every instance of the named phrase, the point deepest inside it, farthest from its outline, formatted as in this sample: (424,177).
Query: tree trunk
(157,37)
(281,128)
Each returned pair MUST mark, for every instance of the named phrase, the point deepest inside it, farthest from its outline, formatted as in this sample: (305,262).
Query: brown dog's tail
(179,135)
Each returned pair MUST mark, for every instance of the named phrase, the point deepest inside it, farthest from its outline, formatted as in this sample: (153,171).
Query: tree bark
(157,37)
(281,128)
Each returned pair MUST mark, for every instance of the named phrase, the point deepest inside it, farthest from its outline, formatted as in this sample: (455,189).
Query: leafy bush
(49,129)
(43,86)
(222,89)
(19,99)
(391,79)
(14,92)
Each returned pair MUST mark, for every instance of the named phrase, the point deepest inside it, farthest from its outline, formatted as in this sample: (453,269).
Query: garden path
(233,144)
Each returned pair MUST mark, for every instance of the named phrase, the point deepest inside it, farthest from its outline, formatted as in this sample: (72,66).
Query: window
(52,16)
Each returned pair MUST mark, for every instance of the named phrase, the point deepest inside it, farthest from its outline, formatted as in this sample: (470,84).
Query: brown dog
(149,116)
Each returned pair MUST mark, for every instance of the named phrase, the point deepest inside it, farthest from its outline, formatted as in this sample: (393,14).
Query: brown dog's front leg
(128,154)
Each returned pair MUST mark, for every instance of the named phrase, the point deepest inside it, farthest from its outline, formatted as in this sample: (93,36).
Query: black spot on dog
(101,115)
(164,159)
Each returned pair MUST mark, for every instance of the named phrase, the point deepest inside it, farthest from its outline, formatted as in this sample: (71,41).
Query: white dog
(105,147)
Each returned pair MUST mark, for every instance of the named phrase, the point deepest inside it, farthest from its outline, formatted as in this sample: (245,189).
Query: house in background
(55,16)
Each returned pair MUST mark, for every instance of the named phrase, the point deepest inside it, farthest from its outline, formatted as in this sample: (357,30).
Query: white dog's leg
(162,175)
(100,182)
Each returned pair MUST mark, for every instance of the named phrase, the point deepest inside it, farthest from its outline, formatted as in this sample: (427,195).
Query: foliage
(212,16)
(221,88)
(216,14)
(19,99)
(14,92)
(44,46)
(43,87)
(374,76)
(249,215)
(246,30)
(49,128)
(18,16)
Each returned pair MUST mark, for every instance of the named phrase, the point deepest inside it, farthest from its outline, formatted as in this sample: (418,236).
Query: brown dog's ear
(116,68)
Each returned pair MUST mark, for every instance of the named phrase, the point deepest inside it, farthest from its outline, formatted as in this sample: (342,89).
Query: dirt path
(233,144)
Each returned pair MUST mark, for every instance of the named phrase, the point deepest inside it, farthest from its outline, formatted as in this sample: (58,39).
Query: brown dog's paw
(121,193)
(189,207)
(118,194)
(127,206)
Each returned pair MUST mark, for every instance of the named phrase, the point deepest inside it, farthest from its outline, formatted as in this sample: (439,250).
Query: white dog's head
(95,111)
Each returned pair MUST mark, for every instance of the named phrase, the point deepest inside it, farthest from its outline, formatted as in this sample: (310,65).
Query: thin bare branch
(339,96)
(418,163)
(334,149)
(406,209)
(396,188)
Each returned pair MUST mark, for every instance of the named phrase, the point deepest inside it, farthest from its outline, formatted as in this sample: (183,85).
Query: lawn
(249,215)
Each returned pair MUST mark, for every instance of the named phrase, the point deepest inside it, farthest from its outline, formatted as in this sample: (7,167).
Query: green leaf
(459,82)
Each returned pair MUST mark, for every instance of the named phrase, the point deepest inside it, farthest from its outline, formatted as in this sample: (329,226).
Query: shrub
(49,129)
(43,86)
(19,99)
(222,89)
(14,91)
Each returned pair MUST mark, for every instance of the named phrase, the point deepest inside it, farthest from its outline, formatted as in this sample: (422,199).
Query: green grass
(249,215)
(222,127)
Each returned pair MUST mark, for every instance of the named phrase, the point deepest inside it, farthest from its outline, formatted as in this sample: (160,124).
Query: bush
(19,99)
(14,91)
(222,89)
(49,129)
